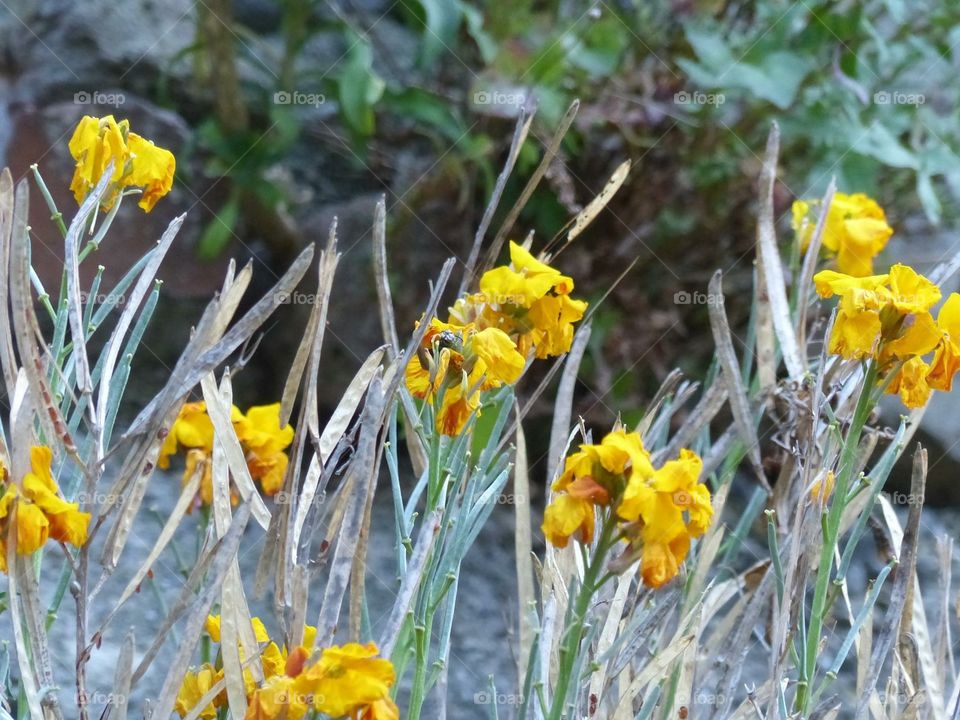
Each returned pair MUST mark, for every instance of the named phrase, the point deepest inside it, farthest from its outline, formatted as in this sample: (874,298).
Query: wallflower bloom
(528,300)
(946,360)
(40,512)
(855,232)
(137,162)
(455,363)
(276,695)
(659,510)
(822,487)
(197,683)
(887,318)
(350,678)
(260,435)
(192,431)
(265,442)
(671,507)
(591,477)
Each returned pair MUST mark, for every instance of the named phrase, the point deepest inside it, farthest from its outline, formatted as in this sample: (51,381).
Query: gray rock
(62,48)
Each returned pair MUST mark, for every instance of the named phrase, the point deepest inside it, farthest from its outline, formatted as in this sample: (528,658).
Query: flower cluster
(658,510)
(39,510)
(528,300)
(137,162)
(523,309)
(887,318)
(344,681)
(260,435)
(455,363)
(855,230)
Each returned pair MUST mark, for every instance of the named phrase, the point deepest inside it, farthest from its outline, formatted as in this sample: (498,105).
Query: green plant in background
(864,88)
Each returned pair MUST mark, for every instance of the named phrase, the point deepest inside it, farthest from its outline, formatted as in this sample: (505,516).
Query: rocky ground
(482,642)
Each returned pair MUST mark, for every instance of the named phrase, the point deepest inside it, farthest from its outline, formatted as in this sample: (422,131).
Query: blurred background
(285,115)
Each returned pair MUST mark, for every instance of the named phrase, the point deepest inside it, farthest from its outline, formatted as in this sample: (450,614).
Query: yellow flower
(40,512)
(883,316)
(946,360)
(196,684)
(278,699)
(349,678)
(822,488)
(455,363)
(660,510)
(855,231)
(671,507)
(137,162)
(910,383)
(591,477)
(192,430)
(528,300)
(212,626)
(151,168)
(260,436)
(265,442)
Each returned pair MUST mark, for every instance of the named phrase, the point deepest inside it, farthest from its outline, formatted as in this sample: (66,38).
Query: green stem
(418,689)
(831,530)
(573,634)
(55,214)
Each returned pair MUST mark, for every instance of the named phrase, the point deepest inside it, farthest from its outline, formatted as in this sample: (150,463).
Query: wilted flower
(137,162)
